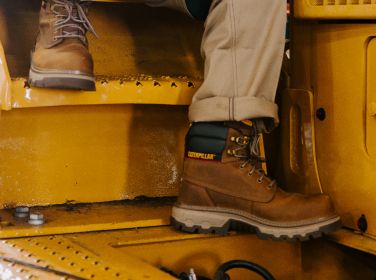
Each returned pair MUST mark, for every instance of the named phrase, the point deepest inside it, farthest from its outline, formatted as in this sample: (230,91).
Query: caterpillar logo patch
(202,156)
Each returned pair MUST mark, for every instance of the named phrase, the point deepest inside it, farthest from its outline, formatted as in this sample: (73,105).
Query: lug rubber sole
(220,222)
(61,80)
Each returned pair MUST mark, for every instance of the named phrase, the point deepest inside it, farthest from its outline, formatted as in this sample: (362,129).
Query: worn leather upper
(53,53)
(231,184)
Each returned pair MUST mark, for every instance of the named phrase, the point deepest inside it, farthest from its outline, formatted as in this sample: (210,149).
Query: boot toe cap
(71,59)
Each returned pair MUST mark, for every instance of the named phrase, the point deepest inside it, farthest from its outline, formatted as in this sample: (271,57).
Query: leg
(243,48)
(223,185)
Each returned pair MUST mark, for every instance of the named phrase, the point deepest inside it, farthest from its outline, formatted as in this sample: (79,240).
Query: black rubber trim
(64,83)
(207,137)
(240,226)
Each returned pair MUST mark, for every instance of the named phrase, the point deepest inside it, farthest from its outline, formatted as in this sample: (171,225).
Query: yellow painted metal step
(143,253)
(128,90)
(72,218)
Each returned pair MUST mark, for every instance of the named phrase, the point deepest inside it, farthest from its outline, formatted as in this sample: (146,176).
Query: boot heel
(195,221)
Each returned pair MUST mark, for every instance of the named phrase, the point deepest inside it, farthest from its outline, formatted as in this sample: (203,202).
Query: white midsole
(209,219)
(34,76)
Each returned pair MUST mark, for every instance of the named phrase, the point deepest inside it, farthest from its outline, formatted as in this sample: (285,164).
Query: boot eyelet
(259,180)
(242,140)
(250,174)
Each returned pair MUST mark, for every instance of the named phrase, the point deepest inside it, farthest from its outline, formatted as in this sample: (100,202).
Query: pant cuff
(232,109)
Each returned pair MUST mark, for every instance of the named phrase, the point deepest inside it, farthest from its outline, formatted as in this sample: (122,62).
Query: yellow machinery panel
(90,153)
(142,254)
(122,142)
(334,131)
(133,241)
(110,150)
(370,107)
(335,9)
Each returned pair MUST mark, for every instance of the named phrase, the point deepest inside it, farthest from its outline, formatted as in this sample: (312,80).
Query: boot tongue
(72,26)
(71,20)
(239,137)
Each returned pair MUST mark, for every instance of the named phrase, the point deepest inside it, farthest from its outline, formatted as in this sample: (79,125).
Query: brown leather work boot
(61,58)
(223,188)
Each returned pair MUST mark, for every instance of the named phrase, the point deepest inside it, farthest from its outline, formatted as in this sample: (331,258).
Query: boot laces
(71,14)
(251,157)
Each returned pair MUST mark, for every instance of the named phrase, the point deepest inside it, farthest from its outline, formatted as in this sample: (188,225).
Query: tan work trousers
(243,47)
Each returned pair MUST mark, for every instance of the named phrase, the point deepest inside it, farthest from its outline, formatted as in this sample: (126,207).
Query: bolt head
(36,219)
(21,212)
(22,209)
(36,216)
